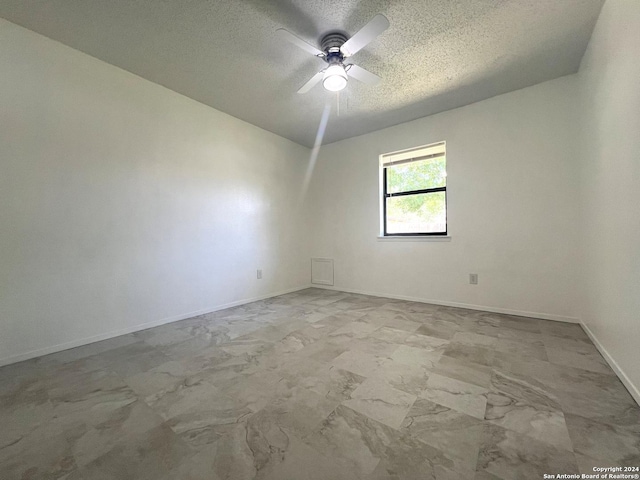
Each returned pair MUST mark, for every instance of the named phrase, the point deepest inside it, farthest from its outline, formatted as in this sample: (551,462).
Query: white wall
(124,203)
(512,207)
(610,86)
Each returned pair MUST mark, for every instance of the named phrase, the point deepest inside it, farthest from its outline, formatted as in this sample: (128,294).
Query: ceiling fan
(335,48)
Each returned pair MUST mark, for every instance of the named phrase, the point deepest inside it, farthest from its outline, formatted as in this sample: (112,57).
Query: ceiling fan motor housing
(331,44)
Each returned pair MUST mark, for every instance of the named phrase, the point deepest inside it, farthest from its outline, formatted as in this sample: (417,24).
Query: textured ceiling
(436,55)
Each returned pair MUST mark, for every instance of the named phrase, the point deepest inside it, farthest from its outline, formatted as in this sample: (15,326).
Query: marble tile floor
(321,384)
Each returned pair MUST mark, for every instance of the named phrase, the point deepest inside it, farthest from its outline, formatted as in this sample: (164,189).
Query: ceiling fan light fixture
(335,78)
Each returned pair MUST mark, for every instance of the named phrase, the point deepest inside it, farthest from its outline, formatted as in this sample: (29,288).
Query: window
(414,191)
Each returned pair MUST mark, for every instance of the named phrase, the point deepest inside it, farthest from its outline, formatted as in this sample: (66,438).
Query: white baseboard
(136,328)
(626,381)
(485,308)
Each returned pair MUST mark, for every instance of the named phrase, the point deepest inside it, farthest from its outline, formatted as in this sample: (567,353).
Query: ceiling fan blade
(365,76)
(366,34)
(311,83)
(307,47)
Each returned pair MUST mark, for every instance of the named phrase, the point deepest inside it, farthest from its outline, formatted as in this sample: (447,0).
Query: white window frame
(433,150)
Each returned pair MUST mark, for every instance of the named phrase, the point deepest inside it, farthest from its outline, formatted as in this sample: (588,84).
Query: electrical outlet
(259,274)
(473,278)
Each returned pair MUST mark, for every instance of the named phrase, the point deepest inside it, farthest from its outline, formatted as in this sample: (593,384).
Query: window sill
(416,238)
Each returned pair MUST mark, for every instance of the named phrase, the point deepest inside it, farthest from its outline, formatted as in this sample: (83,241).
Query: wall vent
(322,271)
